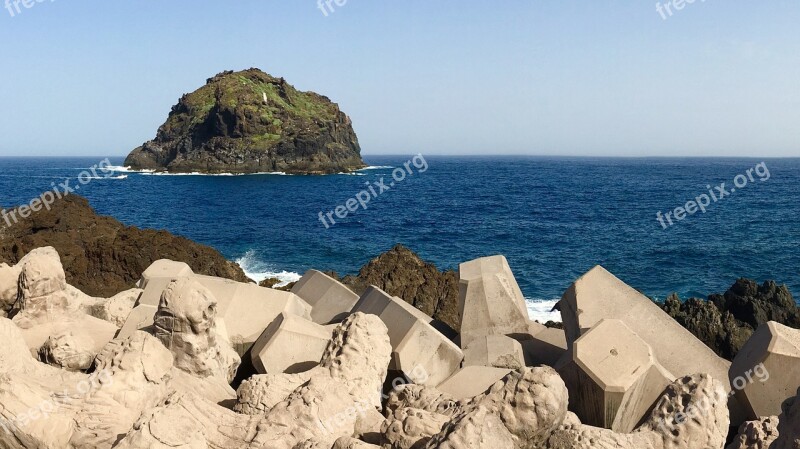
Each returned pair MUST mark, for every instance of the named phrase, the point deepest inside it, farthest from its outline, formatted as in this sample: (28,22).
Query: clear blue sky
(560,77)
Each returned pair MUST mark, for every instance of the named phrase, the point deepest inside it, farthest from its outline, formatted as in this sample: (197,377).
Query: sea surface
(553,218)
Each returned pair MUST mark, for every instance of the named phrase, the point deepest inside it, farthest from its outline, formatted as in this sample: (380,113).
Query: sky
(559,77)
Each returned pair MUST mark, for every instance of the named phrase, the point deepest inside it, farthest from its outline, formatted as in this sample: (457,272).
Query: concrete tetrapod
(766,372)
(421,352)
(329,299)
(489,300)
(613,377)
(598,295)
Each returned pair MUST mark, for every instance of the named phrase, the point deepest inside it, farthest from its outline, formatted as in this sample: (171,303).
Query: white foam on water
(108,177)
(154,173)
(121,169)
(540,310)
(376,167)
(149,172)
(258,271)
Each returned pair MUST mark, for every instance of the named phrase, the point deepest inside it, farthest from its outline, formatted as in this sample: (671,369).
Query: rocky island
(251,122)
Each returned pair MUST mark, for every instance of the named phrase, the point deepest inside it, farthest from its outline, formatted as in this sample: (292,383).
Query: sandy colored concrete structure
(766,372)
(497,351)
(421,352)
(613,377)
(598,295)
(330,300)
(489,300)
(290,345)
(246,309)
(156,278)
(471,381)
(542,345)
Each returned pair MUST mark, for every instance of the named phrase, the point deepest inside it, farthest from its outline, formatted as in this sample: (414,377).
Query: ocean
(554,218)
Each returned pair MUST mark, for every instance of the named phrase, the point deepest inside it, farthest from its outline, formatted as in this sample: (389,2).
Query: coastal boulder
(319,412)
(758,434)
(100,255)
(185,324)
(490,301)
(48,307)
(402,273)
(690,414)
(766,372)
(9,280)
(329,299)
(420,351)
(68,351)
(520,411)
(290,345)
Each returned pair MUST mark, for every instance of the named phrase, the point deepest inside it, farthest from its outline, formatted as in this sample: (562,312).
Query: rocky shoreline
(400,355)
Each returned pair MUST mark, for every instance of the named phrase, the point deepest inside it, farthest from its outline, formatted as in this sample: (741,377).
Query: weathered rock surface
(691,414)
(519,412)
(101,256)
(766,372)
(249,122)
(316,414)
(410,428)
(185,323)
(789,425)
(68,351)
(758,434)
(402,273)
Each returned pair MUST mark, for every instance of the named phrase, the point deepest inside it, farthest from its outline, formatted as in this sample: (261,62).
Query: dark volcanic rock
(402,273)
(101,256)
(726,322)
(249,121)
(753,304)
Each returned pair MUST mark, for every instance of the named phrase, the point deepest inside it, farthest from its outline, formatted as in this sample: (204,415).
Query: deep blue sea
(553,218)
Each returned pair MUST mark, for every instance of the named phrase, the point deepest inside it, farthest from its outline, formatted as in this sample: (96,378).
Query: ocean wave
(121,169)
(108,177)
(376,167)
(278,173)
(540,310)
(258,270)
(149,172)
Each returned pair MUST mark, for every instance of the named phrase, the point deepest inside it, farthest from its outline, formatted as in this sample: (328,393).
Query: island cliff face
(249,122)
